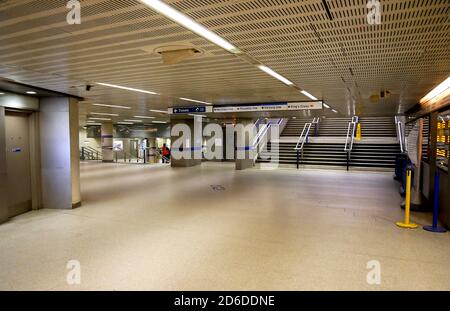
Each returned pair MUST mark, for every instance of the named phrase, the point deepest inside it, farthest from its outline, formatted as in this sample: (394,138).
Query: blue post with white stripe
(435,227)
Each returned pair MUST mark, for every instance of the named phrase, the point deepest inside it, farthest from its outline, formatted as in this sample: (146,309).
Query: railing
(262,137)
(126,156)
(163,157)
(89,153)
(401,134)
(316,121)
(302,140)
(351,130)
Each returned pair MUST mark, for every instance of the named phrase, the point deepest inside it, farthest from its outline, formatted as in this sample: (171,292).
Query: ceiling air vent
(174,54)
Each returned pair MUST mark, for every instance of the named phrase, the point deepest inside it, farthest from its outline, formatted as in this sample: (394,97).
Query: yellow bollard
(358,132)
(406,223)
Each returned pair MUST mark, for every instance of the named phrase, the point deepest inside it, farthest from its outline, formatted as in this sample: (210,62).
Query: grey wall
(3,180)
(59,164)
(19,102)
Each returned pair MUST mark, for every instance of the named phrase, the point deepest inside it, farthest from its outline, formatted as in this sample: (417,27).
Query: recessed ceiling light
(144,117)
(275,75)
(326,106)
(195,101)
(31,92)
(129,120)
(112,106)
(127,88)
(190,24)
(162,122)
(159,111)
(308,95)
(104,114)
(102,119)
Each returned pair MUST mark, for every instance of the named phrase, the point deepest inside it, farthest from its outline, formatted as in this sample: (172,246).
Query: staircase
(373,154)
(294,127)
(333,126)
(377,127)
(313,154)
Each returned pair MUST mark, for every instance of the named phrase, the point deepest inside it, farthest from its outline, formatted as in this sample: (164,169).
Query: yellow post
(358,132)
(406,223)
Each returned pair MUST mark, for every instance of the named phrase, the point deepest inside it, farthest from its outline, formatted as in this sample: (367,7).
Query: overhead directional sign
(193,109)
(282,106)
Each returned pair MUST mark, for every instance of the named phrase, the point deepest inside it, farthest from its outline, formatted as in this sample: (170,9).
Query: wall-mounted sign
(193,109)
(118,145)
(283,106)
(16,150)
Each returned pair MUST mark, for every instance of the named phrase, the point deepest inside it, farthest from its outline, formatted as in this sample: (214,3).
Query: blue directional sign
(193,109)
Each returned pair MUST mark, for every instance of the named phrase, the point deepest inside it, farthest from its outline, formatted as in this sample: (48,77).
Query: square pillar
(59,145)
(187,145)
(107,142)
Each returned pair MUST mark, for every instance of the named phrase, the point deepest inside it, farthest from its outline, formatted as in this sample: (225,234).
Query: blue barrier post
(435,227)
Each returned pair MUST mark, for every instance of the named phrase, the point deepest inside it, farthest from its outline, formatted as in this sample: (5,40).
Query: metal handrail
(125,154)
(162,156)
(89,153)
(351,129)
(302,140)
(351,125)
(316,121)
(256,145)
(400,135)
(260,133)
(303,136)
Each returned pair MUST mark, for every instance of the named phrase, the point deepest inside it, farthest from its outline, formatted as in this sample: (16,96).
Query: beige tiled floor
(158,228)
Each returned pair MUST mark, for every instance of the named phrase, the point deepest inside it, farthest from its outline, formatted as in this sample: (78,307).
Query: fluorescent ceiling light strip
(275,75)
(127,88)
(160,111)
(196,115)
(189,23)
(102,119)
(326,106)
(309,95)
(438,90)
(104,114)
(125,123)
(94,123)
(335,111)
(144,117)
(112,106)
(195,101)
(129,120)
(162,122)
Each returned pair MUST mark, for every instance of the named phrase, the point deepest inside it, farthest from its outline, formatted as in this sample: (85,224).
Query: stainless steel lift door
(18,163)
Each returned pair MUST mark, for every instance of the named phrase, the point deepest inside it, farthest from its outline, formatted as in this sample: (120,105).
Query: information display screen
(442,144)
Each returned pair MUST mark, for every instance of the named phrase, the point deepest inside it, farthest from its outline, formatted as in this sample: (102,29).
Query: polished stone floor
(213,228)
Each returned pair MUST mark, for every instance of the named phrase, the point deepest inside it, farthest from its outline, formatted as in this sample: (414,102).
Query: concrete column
(107,142)
(187,144)
(3,180)
(245,133)
(60,165)
(152,149)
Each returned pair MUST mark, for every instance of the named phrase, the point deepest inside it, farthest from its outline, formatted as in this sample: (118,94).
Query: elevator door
(18,163)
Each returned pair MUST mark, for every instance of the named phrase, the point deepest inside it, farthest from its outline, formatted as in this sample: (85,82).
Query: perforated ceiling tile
(344,60)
